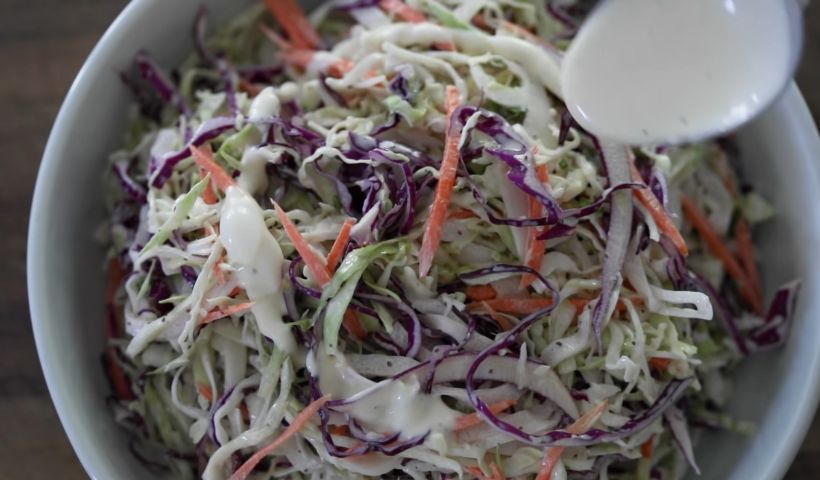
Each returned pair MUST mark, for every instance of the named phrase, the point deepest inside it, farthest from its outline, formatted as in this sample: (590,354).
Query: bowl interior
(777,390)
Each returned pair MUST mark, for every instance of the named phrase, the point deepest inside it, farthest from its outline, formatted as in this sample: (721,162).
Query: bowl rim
(37,271)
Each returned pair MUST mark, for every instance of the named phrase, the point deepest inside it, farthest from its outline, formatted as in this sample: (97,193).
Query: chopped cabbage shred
(223,330)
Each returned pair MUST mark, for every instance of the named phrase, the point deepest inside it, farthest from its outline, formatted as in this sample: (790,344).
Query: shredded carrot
(298,423)
(535,248)
(461,214)
(647,447)
(302,57)
(340,68)
(120,382)
(478,293)
(444,189)
(725,172)
(293,20)
(251,89)
(522,32)
(218,272)
(116,276)
(495,472)
(277,39)
(208,196)
(499,318)
(717,246)
(481,22)
(222,312)
(246,414)
(403,11)
(528,305)
(353,324)
(516,306)
(338,249)
(299,57)
(211,229)
(338,429)
(445,46)
(658,213)
(746,255)
(476,471)
(581,303)
(553,454)
(470,420)
(206,391)
(659,363)
(204,158)
(315,263)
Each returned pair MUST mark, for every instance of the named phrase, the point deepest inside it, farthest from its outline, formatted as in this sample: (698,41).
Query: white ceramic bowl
(781,151)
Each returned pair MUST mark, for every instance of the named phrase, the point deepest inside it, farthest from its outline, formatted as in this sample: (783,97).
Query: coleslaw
(372,243)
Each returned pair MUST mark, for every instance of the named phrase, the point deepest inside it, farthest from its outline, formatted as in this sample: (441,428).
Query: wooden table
(42,45)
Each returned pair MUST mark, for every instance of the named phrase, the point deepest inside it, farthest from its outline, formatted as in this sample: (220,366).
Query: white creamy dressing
(642,71)
(540,65)
(253,178)
(265,104)
(259,261)
(395,406)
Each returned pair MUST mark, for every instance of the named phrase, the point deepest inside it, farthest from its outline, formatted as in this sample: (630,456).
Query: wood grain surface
(42,45)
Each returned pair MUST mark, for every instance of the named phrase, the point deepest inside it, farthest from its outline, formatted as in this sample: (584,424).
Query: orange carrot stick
(444,189)
(516,306)
(338,249)
(206,392)
(553,454)
(351,321)
(342,430)
(478,293)
(528,305)
(340,68)
(120,382)
(315,263)
(292,18)
(251,89)
(222,312)
(647,447)
(535,248)
(298,423)
(500,319)
(353,324)
(302,57)
(659,363)
(208,195)
(409,14)
(403,11)
(204,158)
(746,254)
(658,213)
(218,272)
(461,214)
(472,419)
(115,278)
(522,32)
(718,247)
(495,472)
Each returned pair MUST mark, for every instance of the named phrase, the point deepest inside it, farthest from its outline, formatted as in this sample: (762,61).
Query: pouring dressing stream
(670,71)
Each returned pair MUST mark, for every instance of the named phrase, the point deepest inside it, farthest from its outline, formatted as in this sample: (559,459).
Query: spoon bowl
(651,71)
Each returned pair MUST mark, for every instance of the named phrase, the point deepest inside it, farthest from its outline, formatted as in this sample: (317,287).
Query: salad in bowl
(372,243)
